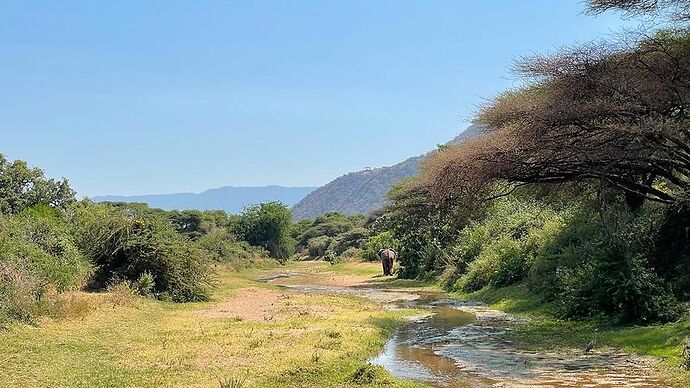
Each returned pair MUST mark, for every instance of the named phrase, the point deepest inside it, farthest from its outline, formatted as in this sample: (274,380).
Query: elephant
(387,257)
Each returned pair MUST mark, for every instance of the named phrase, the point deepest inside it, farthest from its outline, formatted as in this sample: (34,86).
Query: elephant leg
(383,264)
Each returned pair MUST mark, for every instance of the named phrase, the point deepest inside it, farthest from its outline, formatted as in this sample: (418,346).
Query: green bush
(479,274)
(594,269)
(222,246)
(352,252)
(37,257)
(377,242)
(331,257)
(587,261)
(354,238)
(501,263)
(145,284)
(671,258)
(617,286)
(124,246)
(268,225)
(329,224)
(317,246)
(499,249)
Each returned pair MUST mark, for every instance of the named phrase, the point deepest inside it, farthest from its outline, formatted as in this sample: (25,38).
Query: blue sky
(136,97)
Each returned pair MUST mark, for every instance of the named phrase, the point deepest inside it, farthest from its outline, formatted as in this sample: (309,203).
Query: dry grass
(117,339)
(261,304)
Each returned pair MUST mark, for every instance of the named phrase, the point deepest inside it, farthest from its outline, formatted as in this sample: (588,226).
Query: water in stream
(463,344)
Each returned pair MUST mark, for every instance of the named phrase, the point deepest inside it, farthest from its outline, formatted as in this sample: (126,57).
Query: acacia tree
(677,9)
(619,116)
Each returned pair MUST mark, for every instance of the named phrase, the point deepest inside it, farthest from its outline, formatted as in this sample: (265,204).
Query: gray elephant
(387,257)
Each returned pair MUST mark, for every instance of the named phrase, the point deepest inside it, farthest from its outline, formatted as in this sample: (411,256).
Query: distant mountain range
(364,191)
(230,199)
(355,193)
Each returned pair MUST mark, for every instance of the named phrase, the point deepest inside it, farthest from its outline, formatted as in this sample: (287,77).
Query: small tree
(267,225)
(22,187)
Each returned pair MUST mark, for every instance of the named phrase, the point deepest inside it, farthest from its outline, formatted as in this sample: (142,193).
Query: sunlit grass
(142,342)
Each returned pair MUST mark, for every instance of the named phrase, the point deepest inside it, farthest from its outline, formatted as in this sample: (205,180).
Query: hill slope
(363,191)
(231,199)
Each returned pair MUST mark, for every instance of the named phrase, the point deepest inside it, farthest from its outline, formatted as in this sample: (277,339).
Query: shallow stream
(464,344)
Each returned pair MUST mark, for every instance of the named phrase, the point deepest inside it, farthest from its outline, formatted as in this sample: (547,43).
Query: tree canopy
(267,225)
(22,187)
(614,115)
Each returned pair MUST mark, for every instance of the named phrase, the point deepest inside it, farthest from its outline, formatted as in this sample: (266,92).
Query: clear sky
(140,97)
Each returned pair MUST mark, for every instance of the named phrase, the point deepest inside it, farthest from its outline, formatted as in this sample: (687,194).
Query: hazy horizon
(202,191)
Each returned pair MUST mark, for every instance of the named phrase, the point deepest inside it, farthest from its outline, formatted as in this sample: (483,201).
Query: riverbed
(458,343)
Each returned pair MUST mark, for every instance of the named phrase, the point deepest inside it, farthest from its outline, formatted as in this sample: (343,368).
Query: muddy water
(463,344)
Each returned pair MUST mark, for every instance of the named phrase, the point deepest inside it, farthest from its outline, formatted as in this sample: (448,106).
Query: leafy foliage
(224,247)
(124,246)
(596,267)
(329,224)
(499,249)
(37,257)
(22,187)
(377,242)
(267,225)
(577,188)
(318,246)
(332,232)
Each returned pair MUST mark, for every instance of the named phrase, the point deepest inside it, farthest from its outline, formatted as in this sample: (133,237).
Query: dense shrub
(267,225)
(37,257)
(353,253)
(329,224)
(617,286)
(222,246)
(377,242)
(589,257)
(596,267)
(331,257)
(354,238)
(499,249)
(124,246)
(318,246)
(500,263)
(671,258)
(196,223)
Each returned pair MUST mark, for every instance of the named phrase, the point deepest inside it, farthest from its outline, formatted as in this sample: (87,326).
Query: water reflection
(464,345)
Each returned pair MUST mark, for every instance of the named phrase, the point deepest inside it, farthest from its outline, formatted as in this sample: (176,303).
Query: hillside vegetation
(362,192)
